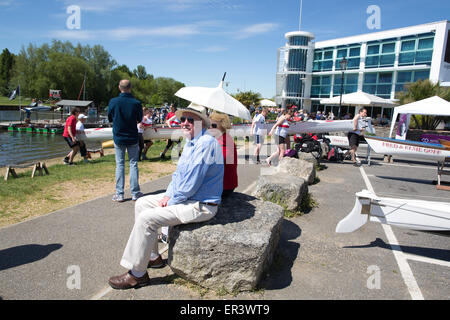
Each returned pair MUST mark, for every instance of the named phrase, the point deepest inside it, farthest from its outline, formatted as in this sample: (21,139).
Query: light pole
(343,63)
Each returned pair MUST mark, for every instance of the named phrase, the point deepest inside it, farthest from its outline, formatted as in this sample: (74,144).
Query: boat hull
(408,149)
(239,130)
(403,213)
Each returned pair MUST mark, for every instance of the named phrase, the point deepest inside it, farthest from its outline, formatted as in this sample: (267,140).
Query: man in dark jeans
(125,113)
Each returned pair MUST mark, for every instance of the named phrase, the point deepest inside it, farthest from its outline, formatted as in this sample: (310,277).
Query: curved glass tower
(295,62)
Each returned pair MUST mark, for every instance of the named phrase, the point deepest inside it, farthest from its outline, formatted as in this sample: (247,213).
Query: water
(23,147)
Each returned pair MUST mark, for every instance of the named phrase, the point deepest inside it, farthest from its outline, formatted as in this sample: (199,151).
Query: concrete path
(47,257)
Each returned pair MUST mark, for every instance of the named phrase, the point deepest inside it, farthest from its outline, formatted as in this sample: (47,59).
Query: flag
(14,93)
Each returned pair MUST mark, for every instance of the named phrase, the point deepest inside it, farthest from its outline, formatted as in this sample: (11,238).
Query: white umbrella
(358,99)
(216,99)
(267,103)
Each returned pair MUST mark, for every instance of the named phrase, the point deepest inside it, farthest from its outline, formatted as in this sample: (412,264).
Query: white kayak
(404,213)
(408,149)
(238,130)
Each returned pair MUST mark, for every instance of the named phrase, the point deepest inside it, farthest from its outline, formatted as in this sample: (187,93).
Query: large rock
(297,168)
(284,189)
(232,250)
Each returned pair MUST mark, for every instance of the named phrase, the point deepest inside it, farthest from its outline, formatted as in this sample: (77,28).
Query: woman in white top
(280,129)
(258,130)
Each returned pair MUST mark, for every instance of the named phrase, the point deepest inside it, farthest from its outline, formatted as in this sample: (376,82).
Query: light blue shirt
(199,173)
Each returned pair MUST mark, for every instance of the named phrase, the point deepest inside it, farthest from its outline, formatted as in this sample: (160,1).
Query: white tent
(267,103)
(434,106)
(359,98)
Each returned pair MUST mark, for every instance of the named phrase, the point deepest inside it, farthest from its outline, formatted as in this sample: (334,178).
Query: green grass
(96,169)
(4,101)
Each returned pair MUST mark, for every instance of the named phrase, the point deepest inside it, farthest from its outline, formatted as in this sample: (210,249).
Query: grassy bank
(4,101)
(24,198)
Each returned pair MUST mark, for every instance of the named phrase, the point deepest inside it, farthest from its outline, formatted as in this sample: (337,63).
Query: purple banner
(433,138)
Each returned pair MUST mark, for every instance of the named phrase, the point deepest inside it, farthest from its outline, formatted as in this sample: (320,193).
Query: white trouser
(149,217)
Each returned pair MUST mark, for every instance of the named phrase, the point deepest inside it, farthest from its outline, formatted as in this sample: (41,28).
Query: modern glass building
(294,67)
(379,63)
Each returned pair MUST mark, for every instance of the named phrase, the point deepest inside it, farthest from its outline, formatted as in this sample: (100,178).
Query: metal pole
(300,21)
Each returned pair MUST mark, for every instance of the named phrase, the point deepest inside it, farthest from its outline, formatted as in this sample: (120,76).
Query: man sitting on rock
(192,196)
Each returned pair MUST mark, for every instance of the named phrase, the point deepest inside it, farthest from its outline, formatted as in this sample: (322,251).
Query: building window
(416,50)
(297,59)
(323,60)
(380,55)
(350,84)
(404,77)
(352,54)
(378,84)
(298,41)
(321,86)
(294,85)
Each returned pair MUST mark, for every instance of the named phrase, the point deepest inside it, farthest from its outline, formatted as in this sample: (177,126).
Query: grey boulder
(230,251)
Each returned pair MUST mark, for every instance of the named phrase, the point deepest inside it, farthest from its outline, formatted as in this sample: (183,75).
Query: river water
(24,147)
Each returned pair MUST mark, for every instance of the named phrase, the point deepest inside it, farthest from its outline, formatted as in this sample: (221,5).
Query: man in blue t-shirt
(125,113)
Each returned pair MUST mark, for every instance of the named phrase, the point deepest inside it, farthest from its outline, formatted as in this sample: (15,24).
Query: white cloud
(256,29)
(126,33)
(169,5)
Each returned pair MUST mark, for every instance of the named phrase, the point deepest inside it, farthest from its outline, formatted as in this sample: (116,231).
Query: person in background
(140,128)
(69,134)
(172,121)
(80,132)
(259,132)
(147,122)
(280,129)
(354,136)
(220,123)
(125,113)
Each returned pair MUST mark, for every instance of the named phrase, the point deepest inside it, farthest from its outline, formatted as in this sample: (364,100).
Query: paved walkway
(47,257)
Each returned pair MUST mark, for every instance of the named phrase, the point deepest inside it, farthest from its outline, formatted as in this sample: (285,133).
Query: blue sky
(196,41)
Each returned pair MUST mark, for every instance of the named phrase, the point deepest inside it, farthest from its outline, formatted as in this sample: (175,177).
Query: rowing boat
(408,149)
(404,213)
(238,130)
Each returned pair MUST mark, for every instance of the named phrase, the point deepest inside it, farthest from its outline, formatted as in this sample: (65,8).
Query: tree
(420,90)
(140,72)
(6,69)
(248,97)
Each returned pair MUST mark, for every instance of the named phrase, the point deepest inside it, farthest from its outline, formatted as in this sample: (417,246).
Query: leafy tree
(61,65)
(6,68)
(420,90)
(248,97)
(140,72)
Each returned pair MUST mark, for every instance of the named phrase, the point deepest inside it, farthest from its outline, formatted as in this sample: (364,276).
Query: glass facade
(416,50)
(298,41)
(295,85)
(404,77)
(350,84)
(352,53)
(378,83)
(321,87)
(297,60)
(380,54)
(323,60)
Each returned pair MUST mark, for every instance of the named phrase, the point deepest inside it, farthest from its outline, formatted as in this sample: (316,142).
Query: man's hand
(163,202)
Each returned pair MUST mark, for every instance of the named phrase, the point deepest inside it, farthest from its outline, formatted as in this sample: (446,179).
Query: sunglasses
(214,125)
(189,119)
